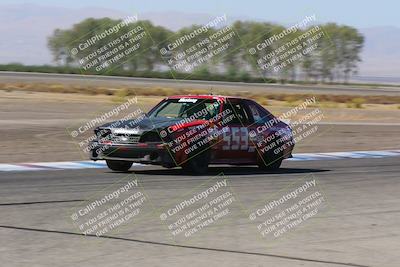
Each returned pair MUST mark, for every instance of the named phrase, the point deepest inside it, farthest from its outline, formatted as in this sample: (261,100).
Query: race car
(194,131)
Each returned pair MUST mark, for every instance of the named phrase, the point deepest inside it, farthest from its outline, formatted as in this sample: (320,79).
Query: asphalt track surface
(360,226)
(212,85)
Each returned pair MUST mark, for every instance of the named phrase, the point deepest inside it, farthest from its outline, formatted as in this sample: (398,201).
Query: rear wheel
(119,165)
(270,160)
(274,165)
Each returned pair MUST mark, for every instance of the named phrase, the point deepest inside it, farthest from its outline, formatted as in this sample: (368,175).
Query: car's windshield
(196,109)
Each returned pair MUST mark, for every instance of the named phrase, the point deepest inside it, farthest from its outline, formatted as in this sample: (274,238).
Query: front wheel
(197,164)
(119,165)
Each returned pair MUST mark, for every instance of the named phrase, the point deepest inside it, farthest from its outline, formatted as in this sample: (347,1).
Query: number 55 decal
(237,138)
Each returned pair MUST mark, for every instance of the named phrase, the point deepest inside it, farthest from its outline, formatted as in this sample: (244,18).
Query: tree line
(334,59)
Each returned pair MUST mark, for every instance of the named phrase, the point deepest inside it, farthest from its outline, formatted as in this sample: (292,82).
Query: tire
(274,165)
(197,164)
(270,161)
(119,165)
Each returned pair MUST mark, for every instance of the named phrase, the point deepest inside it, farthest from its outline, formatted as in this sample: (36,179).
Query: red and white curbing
(75,165)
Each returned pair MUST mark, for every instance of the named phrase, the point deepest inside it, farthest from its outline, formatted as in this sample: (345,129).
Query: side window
(238,110)
(255,112)
(259,114)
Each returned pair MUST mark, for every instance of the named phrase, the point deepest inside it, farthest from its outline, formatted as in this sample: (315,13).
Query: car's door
(234,145)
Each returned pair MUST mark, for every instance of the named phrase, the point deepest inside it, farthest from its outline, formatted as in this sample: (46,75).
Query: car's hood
(143,124)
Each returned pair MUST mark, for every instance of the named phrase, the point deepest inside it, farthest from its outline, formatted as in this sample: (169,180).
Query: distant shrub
(358,102)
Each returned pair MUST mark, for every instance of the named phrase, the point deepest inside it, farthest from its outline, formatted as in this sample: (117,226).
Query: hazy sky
(357,13)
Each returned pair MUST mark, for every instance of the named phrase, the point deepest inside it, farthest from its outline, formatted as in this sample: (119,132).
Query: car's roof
(204,97)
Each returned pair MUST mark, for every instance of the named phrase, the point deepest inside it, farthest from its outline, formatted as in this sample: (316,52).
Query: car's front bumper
(153,153)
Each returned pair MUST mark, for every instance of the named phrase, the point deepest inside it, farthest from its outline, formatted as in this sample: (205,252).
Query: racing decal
(188,100)
(236,138)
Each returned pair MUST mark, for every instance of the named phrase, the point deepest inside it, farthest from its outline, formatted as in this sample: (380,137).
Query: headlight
(102,133)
